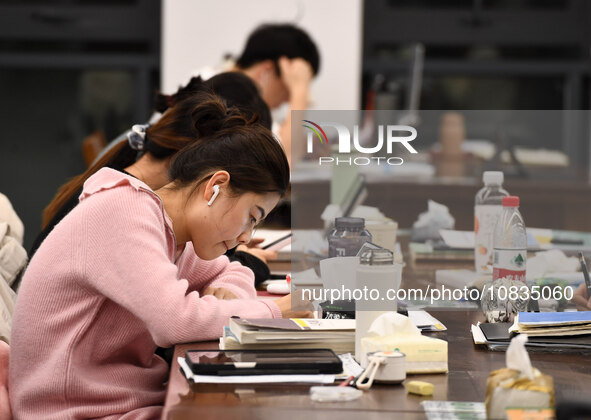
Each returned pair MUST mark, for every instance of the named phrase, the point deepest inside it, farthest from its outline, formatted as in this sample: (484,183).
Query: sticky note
(419,387)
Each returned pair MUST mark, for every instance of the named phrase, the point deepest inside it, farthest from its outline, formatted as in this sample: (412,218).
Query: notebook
(498,337)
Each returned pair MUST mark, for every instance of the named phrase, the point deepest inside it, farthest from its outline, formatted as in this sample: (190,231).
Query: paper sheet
(423,320)
(449,410)
(271,235)
(350,366)
(477,334)
(459,239)
(464,239)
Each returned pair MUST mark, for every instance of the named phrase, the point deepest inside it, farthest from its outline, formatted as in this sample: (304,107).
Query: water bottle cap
(493,177)
(380,256)
(511,201)
(349,222)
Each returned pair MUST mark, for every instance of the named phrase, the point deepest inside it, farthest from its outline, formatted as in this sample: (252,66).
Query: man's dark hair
(234,88)
(272,41)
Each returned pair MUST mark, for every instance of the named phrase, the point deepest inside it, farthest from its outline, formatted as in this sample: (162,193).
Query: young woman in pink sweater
(130,269)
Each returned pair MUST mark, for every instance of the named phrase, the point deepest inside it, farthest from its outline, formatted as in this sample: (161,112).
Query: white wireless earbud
(216,191)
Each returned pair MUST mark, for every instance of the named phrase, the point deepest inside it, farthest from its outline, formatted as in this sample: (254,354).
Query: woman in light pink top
(130,269)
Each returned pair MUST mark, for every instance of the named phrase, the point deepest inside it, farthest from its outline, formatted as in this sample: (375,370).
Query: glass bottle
(347,237)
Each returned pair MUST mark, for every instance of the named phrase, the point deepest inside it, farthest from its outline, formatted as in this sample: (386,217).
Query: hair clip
(137,136)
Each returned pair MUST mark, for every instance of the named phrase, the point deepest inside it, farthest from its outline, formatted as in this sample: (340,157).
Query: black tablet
(263,362)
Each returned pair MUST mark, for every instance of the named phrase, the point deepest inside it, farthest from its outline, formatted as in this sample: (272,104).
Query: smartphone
(263,362)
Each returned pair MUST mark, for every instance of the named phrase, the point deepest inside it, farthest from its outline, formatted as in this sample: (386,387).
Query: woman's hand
(581,299)
(292,306)
(219,292)
(262,254)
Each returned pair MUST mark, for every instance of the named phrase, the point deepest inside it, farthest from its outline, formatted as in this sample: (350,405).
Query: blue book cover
(554,318)
(228,333)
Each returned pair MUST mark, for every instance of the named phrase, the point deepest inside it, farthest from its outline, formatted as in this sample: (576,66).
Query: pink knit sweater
(101,294)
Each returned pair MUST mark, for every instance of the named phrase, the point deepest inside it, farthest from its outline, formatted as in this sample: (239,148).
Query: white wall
(197,33)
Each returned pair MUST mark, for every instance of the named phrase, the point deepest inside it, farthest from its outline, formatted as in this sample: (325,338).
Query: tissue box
(510,388)
(423,354)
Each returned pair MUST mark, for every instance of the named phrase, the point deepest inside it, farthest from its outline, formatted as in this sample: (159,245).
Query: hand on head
(296,73)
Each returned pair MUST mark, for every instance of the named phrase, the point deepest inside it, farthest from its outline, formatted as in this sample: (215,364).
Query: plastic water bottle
(510,243)
(347,237)
(488,206)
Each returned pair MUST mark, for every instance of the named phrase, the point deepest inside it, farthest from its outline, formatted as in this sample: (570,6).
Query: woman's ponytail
(211,116)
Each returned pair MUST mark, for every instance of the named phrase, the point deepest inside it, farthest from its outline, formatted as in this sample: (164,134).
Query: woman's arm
(129,261)
(217,273)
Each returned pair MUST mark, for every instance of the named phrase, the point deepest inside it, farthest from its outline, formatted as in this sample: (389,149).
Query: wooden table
(469,366)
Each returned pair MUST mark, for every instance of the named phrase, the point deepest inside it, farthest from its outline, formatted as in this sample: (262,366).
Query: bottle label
(485,219)
(509,263)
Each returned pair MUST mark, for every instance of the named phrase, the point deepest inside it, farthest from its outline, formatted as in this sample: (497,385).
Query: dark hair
(235,88)
(273,41)
(182,124)
(248,151)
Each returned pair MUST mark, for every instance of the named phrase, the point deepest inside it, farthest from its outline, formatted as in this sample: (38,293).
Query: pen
(275,242)
(347,381)
(558,241)
(585,273)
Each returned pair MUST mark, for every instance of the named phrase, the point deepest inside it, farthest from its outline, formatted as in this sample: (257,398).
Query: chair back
(92,146)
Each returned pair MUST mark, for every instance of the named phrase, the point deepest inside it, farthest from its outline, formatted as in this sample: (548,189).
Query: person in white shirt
(282,60)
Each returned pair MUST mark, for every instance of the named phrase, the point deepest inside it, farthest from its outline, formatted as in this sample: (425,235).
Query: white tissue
(437,214)
(517,358)
(393,323)
(331,212)
(552,261)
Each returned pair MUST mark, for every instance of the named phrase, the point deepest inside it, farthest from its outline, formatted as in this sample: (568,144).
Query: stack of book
(553,324)
(547,331)
(295,333)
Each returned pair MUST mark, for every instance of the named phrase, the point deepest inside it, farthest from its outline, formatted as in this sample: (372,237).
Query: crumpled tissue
(429,223)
